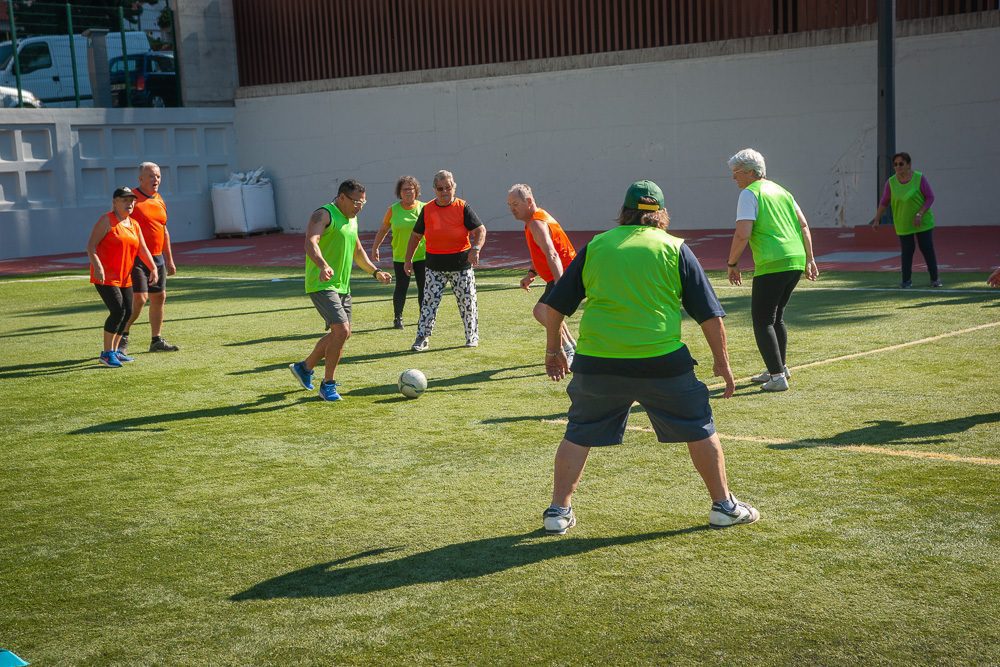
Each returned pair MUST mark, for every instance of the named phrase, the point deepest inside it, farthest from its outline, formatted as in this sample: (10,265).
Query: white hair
(148,165)
(443,175)
(522,191)
(749,160)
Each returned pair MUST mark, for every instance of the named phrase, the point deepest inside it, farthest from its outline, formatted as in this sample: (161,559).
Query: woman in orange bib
(114,243)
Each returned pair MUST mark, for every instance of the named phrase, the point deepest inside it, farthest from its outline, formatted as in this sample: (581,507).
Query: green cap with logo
(644,196)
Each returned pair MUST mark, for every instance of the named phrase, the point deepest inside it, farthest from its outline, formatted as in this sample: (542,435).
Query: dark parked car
(152,76)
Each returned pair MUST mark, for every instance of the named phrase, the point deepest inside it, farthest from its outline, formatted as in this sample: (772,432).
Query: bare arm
(740,239)
(381,233)
(715,334)
(540,233)
(477,237)
(168,254)
(411,248)
(556,364)
(100,230)
(812,271)
(318,222)
(361,259)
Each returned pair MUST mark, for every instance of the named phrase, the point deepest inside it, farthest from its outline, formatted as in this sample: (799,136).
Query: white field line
(863,449)
(878,350)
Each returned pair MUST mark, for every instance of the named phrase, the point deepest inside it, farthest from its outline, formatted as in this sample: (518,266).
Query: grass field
(199,508)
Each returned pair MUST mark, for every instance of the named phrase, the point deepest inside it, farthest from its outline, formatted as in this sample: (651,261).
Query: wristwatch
(475,247)
(732,266)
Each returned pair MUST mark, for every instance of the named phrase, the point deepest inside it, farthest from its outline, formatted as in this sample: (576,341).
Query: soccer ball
(412,383)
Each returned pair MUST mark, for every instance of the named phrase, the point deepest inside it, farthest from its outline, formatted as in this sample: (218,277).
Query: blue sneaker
(110,359)
(328,391)
(304,376)
(124,358)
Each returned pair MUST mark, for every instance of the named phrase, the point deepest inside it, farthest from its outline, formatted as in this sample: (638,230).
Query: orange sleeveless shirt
(444,227)
(151,214)
(117,251)
(559,239)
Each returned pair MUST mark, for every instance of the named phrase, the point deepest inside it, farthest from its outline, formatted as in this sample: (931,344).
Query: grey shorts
(677,407)
(333,306)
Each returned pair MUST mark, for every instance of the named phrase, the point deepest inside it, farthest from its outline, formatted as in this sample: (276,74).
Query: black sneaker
(906,284)
(397,323)
(161,345)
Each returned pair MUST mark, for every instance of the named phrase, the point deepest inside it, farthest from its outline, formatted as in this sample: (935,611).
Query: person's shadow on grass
(888,432)
(464,560)
(266,403)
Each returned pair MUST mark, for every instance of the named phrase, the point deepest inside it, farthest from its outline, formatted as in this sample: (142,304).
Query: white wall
(58,168)
(579,137)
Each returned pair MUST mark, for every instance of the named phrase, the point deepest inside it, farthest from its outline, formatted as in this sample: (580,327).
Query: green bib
(402,226)
(337,244)
(776,239)
(632,279)
(906,200)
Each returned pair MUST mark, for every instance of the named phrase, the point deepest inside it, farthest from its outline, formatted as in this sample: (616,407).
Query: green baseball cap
(644,190)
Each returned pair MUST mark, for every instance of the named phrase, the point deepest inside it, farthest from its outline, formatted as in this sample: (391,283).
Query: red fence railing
(280,41)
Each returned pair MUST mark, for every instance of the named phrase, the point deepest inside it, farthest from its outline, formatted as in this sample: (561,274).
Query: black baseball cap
(124,191)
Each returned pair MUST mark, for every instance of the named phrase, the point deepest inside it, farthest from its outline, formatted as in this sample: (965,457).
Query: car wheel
(157,101)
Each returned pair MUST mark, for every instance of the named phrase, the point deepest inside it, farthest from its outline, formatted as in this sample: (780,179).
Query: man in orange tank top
(550,249)
(454,236)
(151,214)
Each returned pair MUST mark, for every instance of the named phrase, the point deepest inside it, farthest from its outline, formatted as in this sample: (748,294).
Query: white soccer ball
(412,383)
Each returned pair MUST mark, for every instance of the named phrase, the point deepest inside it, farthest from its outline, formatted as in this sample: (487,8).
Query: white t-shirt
(746,206)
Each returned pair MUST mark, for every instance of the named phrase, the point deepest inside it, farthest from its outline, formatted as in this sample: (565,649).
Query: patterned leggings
(463,284)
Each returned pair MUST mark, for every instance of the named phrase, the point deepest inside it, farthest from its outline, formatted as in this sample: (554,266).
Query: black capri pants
(769,296)
(119,303)
(403,284)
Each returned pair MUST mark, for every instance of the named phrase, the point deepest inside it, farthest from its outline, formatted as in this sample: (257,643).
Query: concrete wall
(580,136)
(206,52)
(58,168)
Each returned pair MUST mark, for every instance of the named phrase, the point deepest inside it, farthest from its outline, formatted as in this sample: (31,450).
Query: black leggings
(769,296)
(926,243)
(403,284)
(119,303)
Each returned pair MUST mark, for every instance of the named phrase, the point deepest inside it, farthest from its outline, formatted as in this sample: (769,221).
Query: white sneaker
(556,523)
(765,376)
(776,383)
(743,512)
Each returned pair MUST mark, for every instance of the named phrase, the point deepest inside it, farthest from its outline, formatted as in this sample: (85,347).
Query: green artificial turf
(200,508)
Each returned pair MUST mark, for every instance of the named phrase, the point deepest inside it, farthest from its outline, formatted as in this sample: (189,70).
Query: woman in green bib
(910,196)
(768,218)
(399,219)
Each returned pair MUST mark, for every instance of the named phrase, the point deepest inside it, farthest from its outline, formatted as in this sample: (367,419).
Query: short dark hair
(634,216)
(905,156)
(350,186)
(407,180)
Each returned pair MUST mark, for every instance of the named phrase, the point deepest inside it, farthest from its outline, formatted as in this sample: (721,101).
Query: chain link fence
(109,53)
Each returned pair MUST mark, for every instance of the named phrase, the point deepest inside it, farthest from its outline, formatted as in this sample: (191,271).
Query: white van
(47,67)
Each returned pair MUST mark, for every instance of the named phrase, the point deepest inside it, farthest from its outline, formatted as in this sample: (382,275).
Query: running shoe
(160,345)
(556,521)
(328,391)
(302,374)
(109,359)
(721,516)
(420,344)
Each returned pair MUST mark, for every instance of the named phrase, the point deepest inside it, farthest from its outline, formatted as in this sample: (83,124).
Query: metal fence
(116,53)
(281,41)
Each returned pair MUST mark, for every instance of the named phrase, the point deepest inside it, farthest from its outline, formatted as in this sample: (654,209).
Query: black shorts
(140,276)
(549,286)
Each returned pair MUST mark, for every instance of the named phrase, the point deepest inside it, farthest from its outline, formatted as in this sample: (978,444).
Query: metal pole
(72,52)
(128,77)
(177,52)
(17,57)
(886,93)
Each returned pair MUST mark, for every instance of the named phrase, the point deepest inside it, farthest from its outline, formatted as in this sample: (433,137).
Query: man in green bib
(769,219)
(332,245)
(636,278)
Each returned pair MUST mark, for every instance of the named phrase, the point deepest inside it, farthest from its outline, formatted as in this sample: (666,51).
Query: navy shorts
(333,306)
(677,407)
(140,276)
